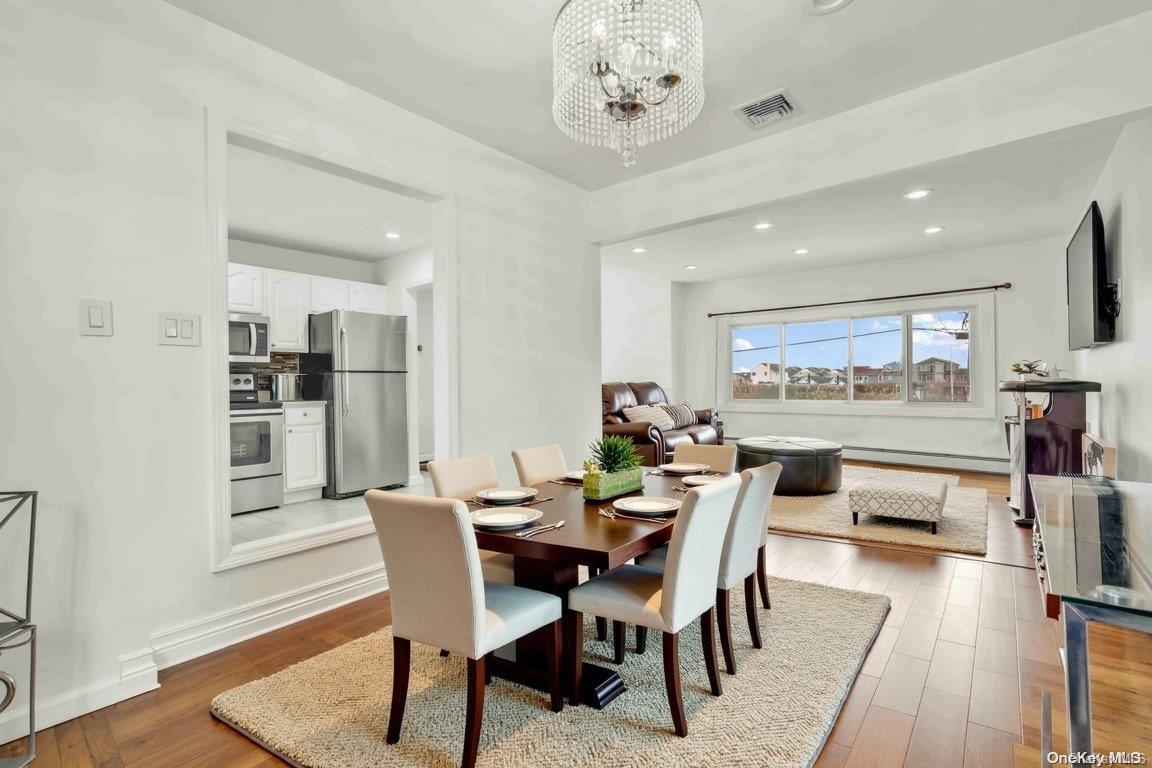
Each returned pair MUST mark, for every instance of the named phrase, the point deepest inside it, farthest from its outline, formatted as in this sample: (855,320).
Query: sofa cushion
(682,414)
(651,413)
(615,397)
(648,393)
(702,434)
(674,437)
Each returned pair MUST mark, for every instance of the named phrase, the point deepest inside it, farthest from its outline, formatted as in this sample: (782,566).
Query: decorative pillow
(653,413)
(682,415)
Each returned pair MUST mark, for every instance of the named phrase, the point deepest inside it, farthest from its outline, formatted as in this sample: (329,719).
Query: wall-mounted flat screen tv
(1092,300)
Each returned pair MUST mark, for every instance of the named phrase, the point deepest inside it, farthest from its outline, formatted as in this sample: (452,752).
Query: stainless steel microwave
(248,338)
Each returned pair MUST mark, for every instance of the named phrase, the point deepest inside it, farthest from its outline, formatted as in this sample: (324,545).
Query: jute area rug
(964,527)
(331,711)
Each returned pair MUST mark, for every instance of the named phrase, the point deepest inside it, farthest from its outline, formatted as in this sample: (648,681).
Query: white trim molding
(137,675)
(197,638)
(220,131)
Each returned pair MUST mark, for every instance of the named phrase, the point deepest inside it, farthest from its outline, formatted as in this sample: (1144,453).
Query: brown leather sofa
(655,445)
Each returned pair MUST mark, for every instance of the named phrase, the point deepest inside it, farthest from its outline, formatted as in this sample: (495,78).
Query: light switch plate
(94,317)
(179,329)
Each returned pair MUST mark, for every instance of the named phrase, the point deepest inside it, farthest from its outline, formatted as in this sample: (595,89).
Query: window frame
(981,359)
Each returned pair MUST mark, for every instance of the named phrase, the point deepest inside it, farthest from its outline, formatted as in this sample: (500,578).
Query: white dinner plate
(506,495)
(702,479)
(680,468)
(576,474)
(646,506)
(505,520)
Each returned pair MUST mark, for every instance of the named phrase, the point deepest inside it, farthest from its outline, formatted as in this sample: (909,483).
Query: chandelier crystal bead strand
(626,72)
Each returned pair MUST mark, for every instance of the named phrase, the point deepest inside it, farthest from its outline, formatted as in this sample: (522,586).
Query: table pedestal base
(599,685)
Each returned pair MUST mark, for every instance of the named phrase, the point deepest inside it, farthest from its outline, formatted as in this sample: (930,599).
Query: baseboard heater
(999,465)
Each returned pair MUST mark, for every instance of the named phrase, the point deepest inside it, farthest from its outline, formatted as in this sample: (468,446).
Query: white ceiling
(1014,192)
(483,67)
(278,202)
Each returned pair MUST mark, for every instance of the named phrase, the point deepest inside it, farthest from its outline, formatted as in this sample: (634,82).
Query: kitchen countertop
(304,403)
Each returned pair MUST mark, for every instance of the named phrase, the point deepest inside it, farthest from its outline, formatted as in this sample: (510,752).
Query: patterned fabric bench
(906,500)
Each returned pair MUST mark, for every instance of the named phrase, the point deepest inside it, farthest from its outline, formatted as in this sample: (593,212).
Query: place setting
(503,510)
(647,509)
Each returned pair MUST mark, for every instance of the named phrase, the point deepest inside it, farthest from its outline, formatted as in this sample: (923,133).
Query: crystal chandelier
(626,72)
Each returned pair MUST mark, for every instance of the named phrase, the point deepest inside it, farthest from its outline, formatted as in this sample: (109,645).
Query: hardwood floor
(954,679)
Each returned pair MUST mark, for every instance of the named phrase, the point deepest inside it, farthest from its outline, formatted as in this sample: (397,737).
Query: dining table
(549,562)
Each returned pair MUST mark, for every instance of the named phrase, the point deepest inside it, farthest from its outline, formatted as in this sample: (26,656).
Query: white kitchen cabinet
(305,457)
(328,294)
(367,297)
(289,298)
(245,289)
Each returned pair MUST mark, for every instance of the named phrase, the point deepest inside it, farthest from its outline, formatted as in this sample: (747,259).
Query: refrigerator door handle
(344,355)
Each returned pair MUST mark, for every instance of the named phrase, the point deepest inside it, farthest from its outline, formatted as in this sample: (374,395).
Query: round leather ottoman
(810,466)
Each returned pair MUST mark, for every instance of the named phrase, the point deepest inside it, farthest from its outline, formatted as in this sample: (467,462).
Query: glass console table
(1097,552)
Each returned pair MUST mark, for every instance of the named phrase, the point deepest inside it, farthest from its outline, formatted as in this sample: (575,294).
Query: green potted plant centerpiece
(614,468)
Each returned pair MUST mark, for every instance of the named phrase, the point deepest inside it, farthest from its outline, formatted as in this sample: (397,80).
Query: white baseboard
(183,643)
(137,676)
(188,641)
(938,461)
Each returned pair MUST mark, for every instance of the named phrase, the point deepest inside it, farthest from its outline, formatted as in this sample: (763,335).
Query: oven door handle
(252,331)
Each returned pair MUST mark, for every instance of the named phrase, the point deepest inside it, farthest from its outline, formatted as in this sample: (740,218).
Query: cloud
(936,339)
(743,369)
(740,345)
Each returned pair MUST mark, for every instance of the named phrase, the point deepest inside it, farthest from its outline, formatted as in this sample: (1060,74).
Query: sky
(877,340)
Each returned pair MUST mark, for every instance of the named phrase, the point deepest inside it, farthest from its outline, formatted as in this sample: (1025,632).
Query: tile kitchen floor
(253,526)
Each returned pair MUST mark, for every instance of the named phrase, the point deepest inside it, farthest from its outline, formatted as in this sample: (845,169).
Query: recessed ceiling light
(821,7)
(692,266)
(637,250)
(392,235)
(800,251)
(933,230)
(917,194)
(762,225)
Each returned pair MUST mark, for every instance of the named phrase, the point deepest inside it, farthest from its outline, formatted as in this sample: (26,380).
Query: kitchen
(323,391)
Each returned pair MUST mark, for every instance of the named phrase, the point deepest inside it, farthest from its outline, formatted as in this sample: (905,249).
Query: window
(940,353)
(878,358)
(756,362)
(908,357)
(816,360)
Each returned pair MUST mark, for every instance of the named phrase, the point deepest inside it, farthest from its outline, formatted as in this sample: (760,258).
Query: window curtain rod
(1001,286)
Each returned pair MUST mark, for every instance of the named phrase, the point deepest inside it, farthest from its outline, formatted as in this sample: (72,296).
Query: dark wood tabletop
(587,538)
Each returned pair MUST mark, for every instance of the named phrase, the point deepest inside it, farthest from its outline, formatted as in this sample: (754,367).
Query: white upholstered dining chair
(719,458)
(670,600)
(440,599)
(740,557)
(461,479)
(539,465)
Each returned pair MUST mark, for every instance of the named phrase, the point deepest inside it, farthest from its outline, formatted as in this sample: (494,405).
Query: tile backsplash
(281,362)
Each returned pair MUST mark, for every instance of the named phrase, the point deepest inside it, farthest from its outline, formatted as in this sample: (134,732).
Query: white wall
(636,326)
(305,262)
(1122,413)
(425,373)
(1029,319)
(103,196)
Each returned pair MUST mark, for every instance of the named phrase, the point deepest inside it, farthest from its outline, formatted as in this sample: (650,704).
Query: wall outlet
(94,317)
(180,329)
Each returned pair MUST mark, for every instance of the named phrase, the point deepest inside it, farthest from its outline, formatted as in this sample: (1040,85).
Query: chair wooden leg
(488,670)
(708,638)
(618,631)
(750,607)
(672,682)
(474,718)
(724,612)
(575,621)
(401,665)
(641,639)
(555,635)
(762,577)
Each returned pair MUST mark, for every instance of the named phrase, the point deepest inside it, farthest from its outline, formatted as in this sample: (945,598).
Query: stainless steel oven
(257,457)
(248,338)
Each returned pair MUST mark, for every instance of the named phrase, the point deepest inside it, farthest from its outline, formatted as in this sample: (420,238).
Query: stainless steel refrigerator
(358,364)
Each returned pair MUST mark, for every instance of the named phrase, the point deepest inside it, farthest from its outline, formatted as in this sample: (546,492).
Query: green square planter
(605,486)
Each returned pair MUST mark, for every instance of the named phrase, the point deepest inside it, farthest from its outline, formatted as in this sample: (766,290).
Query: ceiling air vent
(766,110)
